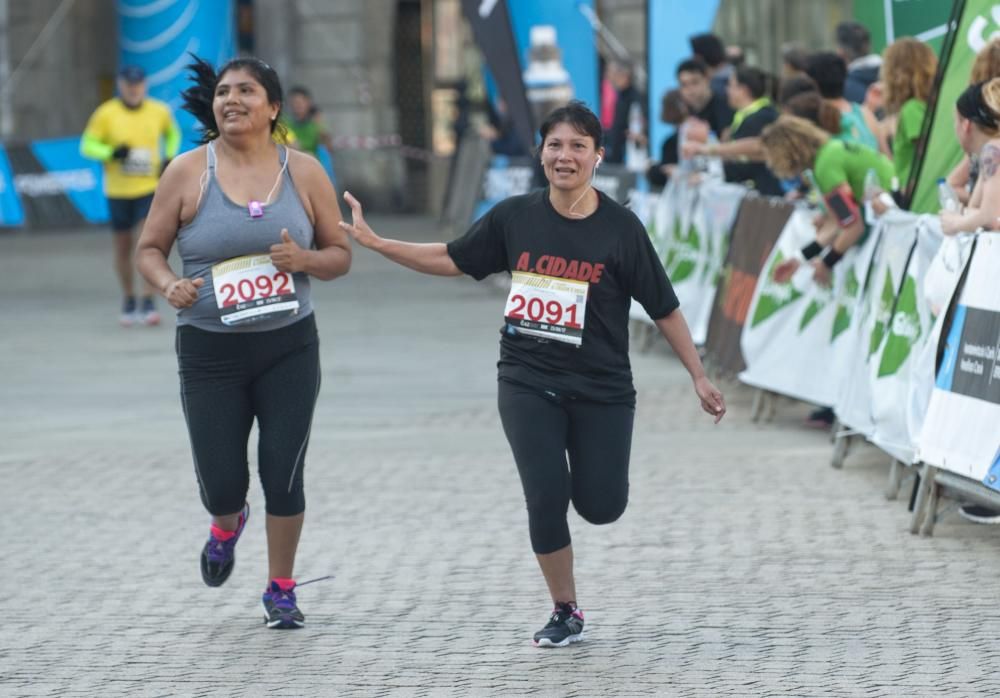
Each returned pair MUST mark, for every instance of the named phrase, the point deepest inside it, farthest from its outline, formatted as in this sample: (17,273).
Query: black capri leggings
(541,429)
(228,379)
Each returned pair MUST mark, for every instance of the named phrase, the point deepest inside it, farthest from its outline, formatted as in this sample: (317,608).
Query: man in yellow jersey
(131,134)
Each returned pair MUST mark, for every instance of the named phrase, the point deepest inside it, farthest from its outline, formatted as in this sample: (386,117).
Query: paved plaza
(744,566)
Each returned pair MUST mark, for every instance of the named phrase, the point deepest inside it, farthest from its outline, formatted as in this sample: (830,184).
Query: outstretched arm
(675,330)
(427,258)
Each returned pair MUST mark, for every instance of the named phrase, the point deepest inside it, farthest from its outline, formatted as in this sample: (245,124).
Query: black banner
(976,369)
(491,28)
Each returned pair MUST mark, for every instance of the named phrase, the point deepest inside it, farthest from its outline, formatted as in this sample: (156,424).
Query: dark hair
(754,79)
(199,97)
(829,71)
(973,107)
(809,105)
(854,38)
(578,115)
(800,84)
(673,109)
(304,92)
(691,65)
(736,55)
(709,47)
(795,56)
(623,64)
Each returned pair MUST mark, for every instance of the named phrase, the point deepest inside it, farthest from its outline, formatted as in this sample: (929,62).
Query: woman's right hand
(358,228)
(182,293)
(692,149)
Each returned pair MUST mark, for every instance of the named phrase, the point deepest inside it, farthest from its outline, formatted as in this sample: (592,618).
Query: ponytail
(199,96)
(811,106)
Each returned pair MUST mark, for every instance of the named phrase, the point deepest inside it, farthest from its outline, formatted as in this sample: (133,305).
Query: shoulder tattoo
(989,160)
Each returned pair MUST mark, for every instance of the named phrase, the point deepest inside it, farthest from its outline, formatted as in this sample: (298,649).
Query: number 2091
(538,310)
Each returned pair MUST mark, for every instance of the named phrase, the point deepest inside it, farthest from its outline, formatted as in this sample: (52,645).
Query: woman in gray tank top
(253,222)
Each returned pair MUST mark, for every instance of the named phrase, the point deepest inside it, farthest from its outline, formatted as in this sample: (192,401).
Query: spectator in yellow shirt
(135,137)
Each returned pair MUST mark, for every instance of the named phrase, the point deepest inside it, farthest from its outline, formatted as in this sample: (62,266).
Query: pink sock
(222,535)
(219,534)
(284,584)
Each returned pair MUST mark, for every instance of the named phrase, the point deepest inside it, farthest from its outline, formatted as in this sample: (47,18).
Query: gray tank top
(222,230)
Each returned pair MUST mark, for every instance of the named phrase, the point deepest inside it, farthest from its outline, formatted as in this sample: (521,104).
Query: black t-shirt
(669,155)
(610,249)
(763,179)
(717,113)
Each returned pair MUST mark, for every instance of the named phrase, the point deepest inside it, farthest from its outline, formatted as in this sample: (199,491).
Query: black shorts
(125,213)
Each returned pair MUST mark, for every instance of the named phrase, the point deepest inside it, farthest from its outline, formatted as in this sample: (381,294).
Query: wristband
(831,258)
(811,250)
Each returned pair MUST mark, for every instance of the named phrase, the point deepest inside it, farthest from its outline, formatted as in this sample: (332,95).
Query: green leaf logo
(672,243)
(882,313)
(905,330)
(773,296)
(843,318)
(812,310)
(685,258)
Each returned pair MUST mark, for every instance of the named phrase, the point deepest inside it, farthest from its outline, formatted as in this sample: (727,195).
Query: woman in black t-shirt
(576,260)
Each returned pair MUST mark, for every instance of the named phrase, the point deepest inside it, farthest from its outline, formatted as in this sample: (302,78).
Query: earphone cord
(579,215)
(585,192)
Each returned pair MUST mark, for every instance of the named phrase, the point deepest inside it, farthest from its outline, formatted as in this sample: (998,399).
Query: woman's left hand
(950,221)
(711,398)
(878,204)
(821,272)
(287,255)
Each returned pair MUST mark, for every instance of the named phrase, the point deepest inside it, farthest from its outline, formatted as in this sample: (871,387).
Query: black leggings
(228,379)
(541,429)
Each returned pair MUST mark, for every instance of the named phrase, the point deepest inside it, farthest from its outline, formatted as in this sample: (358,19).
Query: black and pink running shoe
(565,627)
(219,554)
(280,609)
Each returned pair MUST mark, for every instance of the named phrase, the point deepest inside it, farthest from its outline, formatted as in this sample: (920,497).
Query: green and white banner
(869,323)
(976,22)
(689,227)
(938,285)
(908,331)
(888,20)
(797,332)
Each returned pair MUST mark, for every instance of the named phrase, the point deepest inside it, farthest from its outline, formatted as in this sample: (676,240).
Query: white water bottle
(947,197)
(635,154)
(872,185)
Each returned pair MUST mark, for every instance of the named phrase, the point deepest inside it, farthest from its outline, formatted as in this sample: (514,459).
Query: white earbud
(598,163)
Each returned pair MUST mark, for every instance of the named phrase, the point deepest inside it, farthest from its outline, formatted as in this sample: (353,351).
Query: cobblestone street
(744,566)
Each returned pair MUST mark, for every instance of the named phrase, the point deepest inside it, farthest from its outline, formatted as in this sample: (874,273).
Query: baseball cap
(132,73)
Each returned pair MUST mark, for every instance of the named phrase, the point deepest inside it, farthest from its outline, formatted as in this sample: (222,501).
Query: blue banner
(11,212)
(158,35)
(670,23)
(574,36)
(74,176)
